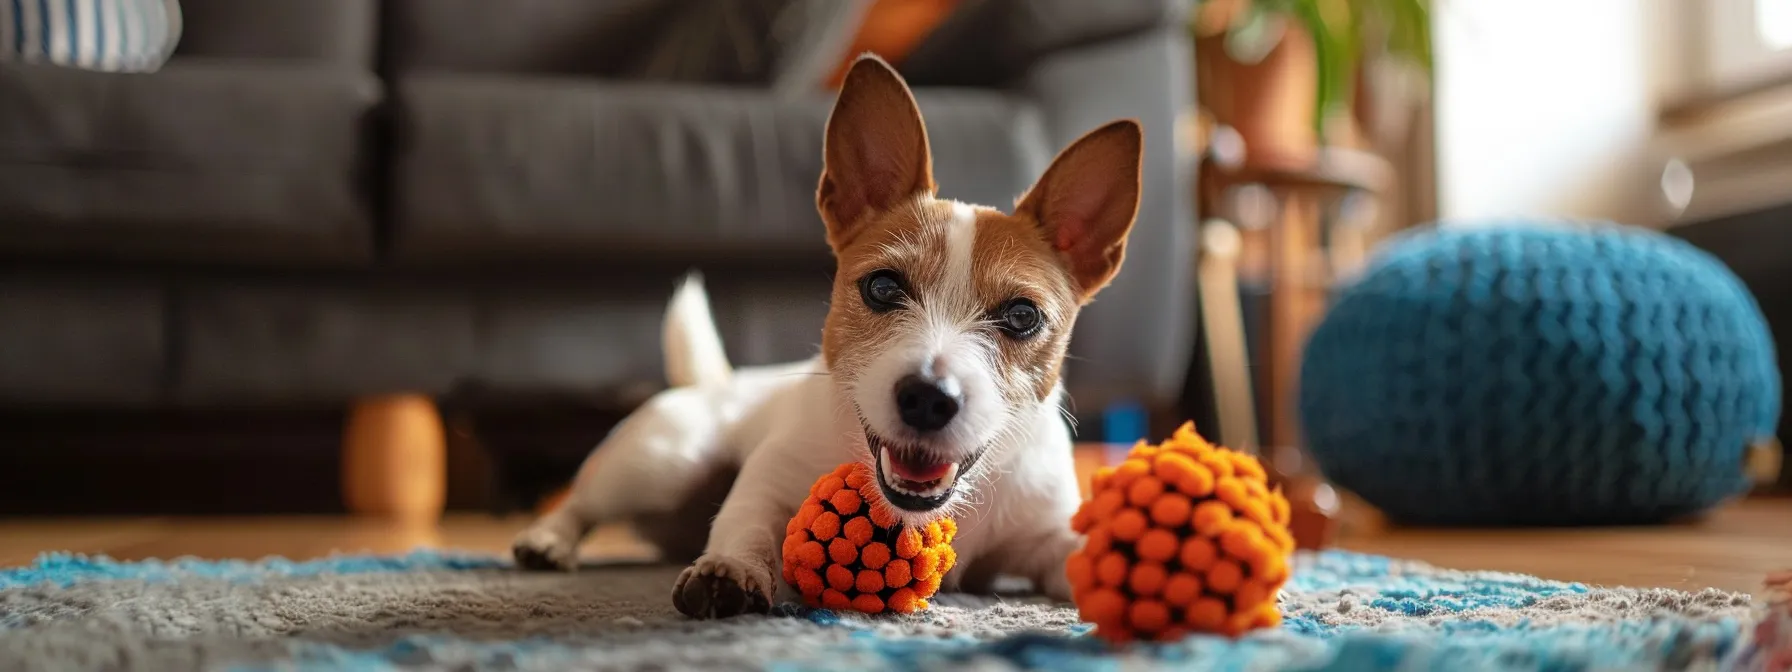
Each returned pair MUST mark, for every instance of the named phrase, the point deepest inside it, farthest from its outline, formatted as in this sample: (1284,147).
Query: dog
(940,367)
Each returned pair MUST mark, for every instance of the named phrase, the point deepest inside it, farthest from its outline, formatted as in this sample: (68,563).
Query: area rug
(437,611)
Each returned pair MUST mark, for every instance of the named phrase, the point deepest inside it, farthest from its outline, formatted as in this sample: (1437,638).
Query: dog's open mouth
(913,478)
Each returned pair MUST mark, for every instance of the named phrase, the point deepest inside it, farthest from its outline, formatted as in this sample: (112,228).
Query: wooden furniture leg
(1314,504)
(394,458)
(1223,320)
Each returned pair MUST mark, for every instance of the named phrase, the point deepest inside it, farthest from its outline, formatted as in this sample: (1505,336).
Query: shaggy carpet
(432,611)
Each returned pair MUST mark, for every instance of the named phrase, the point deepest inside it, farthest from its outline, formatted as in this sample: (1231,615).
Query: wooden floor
(1733,550)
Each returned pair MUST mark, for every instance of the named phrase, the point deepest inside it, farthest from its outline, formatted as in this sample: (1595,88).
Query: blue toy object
(1540,374)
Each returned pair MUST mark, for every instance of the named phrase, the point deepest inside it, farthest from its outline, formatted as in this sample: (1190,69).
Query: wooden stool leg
(394,460)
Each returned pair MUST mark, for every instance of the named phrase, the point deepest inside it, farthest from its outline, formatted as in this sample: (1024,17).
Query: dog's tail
(693,348)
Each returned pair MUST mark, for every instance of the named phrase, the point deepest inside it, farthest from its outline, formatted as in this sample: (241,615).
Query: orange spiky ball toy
(1181,537)
(846,550)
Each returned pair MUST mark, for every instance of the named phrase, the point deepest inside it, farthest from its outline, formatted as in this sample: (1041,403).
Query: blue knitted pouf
(1539,374)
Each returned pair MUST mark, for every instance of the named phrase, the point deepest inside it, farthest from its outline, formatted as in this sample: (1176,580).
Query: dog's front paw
(542,548)
(719,587)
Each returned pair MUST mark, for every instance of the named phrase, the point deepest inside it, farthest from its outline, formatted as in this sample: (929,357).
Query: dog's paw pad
(720,588)
(542,550)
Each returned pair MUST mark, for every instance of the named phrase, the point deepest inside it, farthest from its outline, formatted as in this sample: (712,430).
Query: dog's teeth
(927,489)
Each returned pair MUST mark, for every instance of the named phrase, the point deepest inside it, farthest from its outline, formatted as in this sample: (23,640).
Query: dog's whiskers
(1068,418)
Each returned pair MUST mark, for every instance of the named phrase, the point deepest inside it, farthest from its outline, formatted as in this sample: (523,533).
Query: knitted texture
(846,550)
(1526,374)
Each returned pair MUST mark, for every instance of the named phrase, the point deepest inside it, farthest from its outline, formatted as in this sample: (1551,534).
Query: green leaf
(1255,35)
(1340,30)
(1335,61)
(1412,32)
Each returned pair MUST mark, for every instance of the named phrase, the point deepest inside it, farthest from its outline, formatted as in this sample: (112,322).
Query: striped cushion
(104,35)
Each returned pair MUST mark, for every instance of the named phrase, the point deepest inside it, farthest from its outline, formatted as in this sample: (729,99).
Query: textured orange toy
(845,549)
(1181,537)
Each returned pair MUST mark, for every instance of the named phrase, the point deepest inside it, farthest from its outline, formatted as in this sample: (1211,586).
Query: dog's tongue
(919,472)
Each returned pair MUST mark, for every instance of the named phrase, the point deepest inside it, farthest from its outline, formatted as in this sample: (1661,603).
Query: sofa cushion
(712,42)
(342,32)
(588,341)
(269,341)
(567,37)
(491,168)
(990,42)
(83,342)
(253,343)
(203,160)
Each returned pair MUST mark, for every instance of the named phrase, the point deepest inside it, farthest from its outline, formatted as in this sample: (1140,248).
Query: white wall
(1546,108)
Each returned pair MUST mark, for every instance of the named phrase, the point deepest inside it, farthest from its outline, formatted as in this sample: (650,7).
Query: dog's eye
(1020,319)
(882,290)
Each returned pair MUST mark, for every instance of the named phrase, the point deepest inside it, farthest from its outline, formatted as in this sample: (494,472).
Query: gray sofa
(317,200)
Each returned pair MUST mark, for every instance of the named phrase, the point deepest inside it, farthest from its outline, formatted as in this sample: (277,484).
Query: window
(1773,23)
(1743,44)
(1726,123)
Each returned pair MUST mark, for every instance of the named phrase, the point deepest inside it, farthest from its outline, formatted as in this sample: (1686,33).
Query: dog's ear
(1086,201)
(875,154)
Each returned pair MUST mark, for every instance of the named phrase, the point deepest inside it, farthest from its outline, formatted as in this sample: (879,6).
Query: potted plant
(1284,73)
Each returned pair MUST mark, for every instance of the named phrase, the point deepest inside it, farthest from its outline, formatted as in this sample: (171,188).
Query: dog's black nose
(924,405)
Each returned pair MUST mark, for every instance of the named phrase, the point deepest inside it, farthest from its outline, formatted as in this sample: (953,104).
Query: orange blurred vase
(394,461)
(1270,103)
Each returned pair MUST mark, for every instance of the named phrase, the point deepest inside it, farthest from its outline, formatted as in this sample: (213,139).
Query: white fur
(961,241)
(784,426)
(693,350)
(942,339)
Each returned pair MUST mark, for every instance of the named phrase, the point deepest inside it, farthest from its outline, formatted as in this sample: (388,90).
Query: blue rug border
(1336,567)
(1561,648)
(67,569)
(1465,644)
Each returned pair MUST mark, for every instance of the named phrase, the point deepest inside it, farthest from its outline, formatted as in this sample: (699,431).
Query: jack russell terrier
(939,369)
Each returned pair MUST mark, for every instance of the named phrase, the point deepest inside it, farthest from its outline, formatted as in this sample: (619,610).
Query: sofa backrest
(342,32)
(559,37)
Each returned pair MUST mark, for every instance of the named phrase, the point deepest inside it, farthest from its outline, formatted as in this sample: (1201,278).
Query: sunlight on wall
(1545,108)
(1774,23)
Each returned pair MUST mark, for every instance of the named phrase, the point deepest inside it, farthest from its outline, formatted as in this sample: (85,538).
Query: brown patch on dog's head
(1064,242)
(974,301)
(1085,203)
(875,155)
(1013,262)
